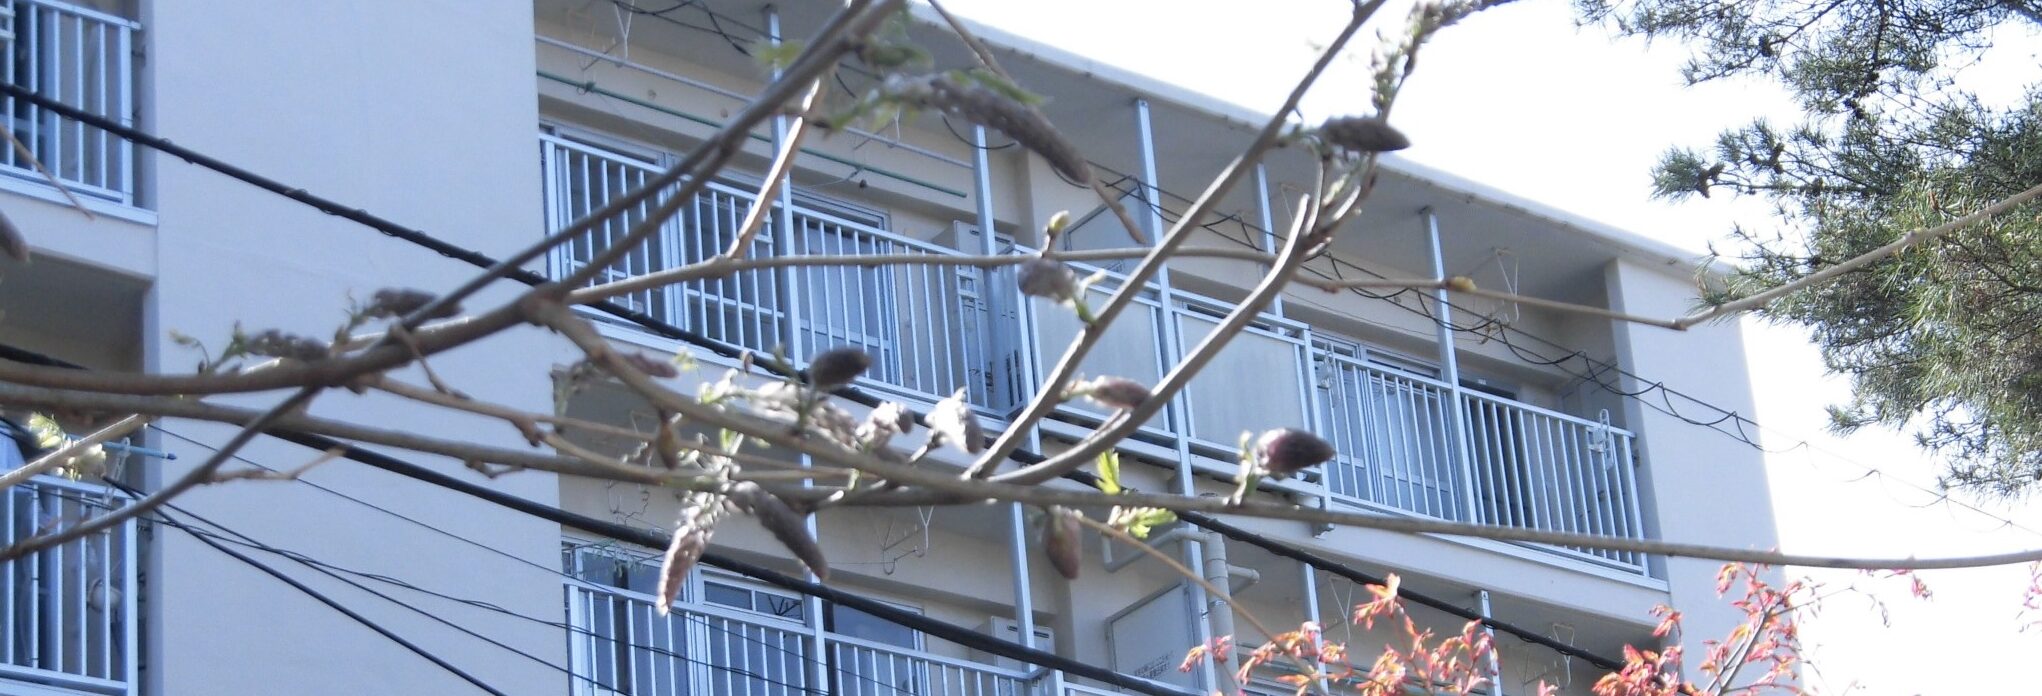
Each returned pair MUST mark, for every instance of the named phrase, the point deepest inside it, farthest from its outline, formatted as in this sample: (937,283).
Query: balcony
(1410,443)
(70,610)
(83,58)
(620,644)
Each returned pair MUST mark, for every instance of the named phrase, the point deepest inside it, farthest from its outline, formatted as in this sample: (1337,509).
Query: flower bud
(1113,392)
(1285,451)
(1060,541)
(786,525)
(1460,284)
(277,344)
(836,367)
(1040,277)
(953,421)
(1358,134)
(690,540)
(397,302)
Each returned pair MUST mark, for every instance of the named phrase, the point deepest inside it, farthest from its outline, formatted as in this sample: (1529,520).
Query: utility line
(664,329)
(344,611)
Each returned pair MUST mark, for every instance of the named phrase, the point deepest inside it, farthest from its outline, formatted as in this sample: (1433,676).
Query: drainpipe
(790,300)
(1495,662)
(1017,519)
(1219,611)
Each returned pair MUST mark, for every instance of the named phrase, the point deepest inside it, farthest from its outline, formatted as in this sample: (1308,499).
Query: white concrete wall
(1700,485)
(418,112)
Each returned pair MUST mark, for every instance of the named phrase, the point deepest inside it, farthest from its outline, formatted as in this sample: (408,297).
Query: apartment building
(487,125)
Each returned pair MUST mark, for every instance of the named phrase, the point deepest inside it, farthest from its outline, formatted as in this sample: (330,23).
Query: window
(726,635)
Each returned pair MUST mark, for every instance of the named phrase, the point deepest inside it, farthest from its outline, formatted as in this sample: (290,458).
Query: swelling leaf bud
(1060,541)
(1285,451)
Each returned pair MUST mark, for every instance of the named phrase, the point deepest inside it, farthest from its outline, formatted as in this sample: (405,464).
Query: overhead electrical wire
(643,320)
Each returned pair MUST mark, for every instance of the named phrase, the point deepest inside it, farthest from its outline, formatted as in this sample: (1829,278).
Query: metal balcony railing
(619,644)
(83,58)
(1525,466)
(69,611)
(1408,443)
(925,325)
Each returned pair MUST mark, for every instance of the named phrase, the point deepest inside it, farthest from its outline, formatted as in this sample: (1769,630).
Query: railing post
(1017,519)
(1450,372)
(1180,409)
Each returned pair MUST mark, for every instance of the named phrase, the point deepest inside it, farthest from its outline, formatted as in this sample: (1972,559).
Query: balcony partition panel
(1254,384)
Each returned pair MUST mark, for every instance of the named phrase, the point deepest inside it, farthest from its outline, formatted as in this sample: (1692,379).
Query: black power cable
(344,611)
(644,537)
(664,329)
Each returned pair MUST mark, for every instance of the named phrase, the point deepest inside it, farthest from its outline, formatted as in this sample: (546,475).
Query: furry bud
(1040,277)
(953,421)
(1113,392)
(1358,134)
(392,303)
(783,522)
(1285,451)
(691,538)
(836,367)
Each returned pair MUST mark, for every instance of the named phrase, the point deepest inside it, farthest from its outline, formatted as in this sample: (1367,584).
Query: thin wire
(306,559)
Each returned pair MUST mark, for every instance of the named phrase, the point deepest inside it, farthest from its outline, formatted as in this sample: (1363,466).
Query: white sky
(1519,99)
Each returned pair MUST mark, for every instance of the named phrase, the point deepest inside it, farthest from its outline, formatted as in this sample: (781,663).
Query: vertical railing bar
(1534,479)
(1556,436)
(126,89)
(35,586)
(77,25)
(130,613)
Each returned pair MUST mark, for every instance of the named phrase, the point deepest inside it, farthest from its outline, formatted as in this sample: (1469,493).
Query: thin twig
(291,474)
(337,371)
(716,267)
(199,475)
(64,454)
(986,58)
(693,171)
(974,491)
(777,174)
(22,150)
(1066,367)
(1856,262)
(1211,590)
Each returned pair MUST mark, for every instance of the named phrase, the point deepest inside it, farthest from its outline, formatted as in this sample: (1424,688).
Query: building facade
(488,125)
